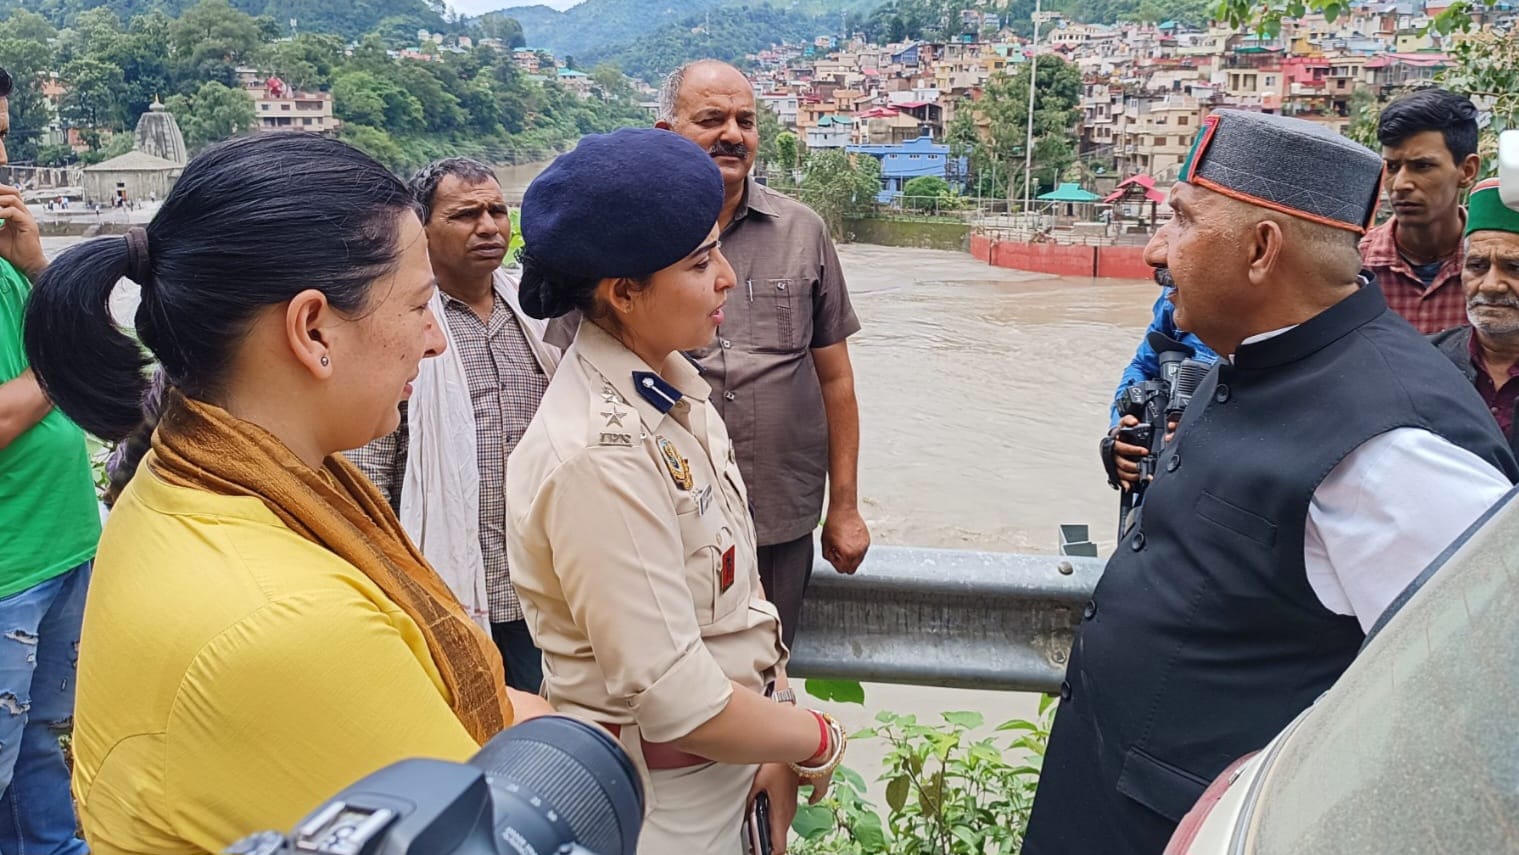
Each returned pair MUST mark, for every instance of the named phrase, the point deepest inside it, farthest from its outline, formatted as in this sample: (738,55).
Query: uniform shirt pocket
(712,574)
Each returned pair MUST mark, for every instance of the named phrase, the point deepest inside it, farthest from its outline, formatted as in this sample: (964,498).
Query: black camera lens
(577,772)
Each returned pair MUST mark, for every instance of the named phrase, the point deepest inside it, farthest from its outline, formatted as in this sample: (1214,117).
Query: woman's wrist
(826,759)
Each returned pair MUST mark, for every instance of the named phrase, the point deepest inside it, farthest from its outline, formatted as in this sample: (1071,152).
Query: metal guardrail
(945,617)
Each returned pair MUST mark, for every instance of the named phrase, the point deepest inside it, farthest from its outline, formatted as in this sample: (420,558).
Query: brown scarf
(204,447)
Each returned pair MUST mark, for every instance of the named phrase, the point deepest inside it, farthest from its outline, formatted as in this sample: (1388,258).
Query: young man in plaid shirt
(1429,143)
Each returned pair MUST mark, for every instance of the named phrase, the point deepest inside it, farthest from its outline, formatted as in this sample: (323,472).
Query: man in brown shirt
(779,369)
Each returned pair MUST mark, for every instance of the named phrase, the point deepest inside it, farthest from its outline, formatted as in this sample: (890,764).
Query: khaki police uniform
(633,552)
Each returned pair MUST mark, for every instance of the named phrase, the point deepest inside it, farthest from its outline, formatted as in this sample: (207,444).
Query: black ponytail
(249,224)
(122,464)
(90,369)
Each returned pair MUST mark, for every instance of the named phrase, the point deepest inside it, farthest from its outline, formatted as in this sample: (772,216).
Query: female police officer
(632,546)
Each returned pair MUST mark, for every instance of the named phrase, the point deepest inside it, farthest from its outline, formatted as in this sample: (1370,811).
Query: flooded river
(982,392)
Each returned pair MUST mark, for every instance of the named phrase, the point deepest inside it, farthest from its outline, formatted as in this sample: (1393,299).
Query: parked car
(1416,748)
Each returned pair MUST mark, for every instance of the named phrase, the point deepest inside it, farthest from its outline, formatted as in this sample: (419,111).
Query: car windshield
(1416,748)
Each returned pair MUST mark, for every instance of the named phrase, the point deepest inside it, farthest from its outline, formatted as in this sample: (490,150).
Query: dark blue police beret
(629,203)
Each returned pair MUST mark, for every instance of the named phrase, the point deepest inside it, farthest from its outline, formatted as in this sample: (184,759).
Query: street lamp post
(1028,145)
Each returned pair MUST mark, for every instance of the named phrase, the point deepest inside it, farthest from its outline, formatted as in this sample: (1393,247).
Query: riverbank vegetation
(403,111)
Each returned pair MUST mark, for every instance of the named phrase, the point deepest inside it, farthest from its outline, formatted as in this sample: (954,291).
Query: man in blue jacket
(1145,366)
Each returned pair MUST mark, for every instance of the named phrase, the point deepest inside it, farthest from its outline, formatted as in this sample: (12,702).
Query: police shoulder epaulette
(611,421)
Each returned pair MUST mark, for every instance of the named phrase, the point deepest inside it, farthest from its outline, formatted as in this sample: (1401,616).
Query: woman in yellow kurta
(259,632)
(632,546)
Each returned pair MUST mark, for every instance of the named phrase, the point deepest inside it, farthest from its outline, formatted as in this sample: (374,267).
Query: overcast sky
(476,7)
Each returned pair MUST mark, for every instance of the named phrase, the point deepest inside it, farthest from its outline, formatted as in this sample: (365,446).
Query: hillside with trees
(603,28)
(728,33)
(403,111)
(347,19)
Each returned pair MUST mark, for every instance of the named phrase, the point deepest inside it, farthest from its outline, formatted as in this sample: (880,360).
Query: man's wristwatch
(784,696)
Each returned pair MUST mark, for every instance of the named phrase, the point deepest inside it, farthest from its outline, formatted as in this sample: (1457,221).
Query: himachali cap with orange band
(1288,165)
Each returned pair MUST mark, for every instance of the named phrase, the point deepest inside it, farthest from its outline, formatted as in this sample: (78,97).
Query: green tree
(1365,107)
(142,53)
(838,186)
(768,125)
(1487,68)
(441,112)
(366,99)
(212,39)
(25,54)
(376,143)
(93,32)
(497,25)
(94,93)
(1004,106)
(786,152)
(609,78)
(214,113)
(926,193)
(55,155)
(306,62)
(103,147)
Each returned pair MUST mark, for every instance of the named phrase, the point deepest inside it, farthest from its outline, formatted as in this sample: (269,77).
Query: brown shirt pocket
(781,318)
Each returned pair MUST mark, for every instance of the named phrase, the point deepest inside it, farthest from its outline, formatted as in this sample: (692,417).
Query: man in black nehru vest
(1316,472)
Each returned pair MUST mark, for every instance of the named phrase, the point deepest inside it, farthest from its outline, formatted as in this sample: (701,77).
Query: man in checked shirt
(493,374)
(1429,146)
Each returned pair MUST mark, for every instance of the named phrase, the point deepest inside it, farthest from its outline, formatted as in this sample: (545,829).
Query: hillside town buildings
(1146,87)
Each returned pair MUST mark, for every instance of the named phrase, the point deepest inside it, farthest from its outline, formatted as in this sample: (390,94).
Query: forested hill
(598,24)
(604,27)
(727,33)
(346,18)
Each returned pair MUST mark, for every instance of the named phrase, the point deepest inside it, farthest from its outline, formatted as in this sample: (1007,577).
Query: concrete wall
(914,233)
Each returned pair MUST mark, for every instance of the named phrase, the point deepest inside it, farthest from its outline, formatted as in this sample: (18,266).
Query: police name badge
(680,468)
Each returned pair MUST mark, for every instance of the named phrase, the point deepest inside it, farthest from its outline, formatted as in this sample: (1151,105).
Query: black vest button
(1174,463)
(1138,542)
(1065,690)
(1221,395)
(1090,610)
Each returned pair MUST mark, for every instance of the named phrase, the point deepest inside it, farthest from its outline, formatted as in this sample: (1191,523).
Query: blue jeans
(39,650)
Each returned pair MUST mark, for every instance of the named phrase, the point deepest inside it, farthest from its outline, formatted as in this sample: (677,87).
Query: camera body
(1156,403)
(549,785)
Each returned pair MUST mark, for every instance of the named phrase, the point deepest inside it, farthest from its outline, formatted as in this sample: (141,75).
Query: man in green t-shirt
(49,525)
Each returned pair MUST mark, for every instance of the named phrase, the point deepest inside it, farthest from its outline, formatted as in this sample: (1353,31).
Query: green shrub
(946,793)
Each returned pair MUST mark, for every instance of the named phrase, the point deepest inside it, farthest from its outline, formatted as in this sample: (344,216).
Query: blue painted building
(902,162)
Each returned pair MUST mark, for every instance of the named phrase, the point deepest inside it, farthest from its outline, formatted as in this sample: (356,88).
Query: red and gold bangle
(826,767)
(822,750)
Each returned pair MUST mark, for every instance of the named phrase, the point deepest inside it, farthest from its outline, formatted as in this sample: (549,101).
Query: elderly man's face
(1196,252)
(715,110)
(1490,280)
